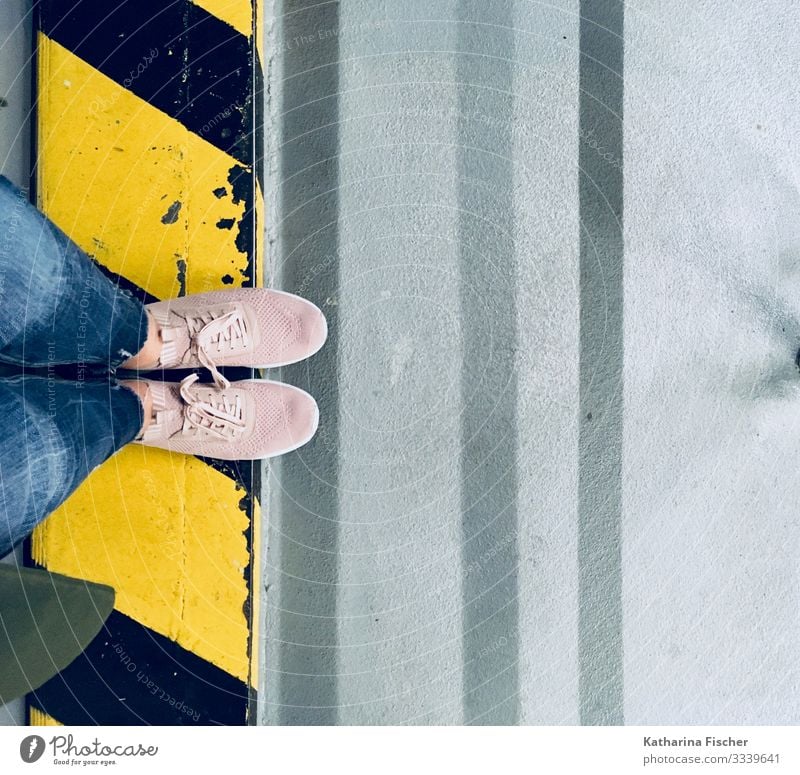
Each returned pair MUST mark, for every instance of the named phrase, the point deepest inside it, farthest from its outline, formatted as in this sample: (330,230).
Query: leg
(55,434)
(57,306)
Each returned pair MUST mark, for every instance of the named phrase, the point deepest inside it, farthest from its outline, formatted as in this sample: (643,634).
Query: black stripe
(175,55)
(601,362)
(243,183)
(258,117)
(125,284)
(130,675)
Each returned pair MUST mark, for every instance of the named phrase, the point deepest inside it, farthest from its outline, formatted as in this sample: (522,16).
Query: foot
(256,327)
(246,420)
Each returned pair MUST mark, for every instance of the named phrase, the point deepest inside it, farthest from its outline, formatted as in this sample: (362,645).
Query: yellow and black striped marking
(148,156)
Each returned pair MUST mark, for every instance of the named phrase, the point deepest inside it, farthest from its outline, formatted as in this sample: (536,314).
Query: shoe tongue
(177,343)
(167,408)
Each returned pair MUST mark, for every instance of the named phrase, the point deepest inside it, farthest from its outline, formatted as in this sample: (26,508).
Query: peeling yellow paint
(113,168)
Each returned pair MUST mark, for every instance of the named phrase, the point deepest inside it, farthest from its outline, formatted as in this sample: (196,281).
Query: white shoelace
(220,333)
(222,419)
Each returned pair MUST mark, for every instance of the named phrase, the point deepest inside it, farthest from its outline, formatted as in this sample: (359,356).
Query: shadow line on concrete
(488,291)
(601,362)
(306,481)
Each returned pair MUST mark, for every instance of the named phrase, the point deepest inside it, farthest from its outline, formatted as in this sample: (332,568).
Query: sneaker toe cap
(296,328)
(288,418)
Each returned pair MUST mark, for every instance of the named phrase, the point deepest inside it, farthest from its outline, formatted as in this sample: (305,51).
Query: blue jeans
(57,307)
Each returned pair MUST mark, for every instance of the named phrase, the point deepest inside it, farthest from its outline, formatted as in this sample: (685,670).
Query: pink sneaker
(247,420)
(256,327)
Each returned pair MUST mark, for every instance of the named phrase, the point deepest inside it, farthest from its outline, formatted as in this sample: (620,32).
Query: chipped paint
(181,265)
(163,162)
(171,216)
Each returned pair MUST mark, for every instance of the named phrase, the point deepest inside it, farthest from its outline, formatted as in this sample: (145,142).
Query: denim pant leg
(56,432)
(57,306)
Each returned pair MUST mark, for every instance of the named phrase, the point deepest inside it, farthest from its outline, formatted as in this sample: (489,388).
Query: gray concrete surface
(15,91)
(712,326)
(554,480)
(15,77)
(408,597)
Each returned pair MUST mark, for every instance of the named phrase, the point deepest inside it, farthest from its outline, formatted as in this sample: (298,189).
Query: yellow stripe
(165,531)
(41,719)
(258,27)
(255,616)
(112,169)
(237,13)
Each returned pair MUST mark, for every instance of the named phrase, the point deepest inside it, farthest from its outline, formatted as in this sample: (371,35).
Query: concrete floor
(712,327)
(524,506)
